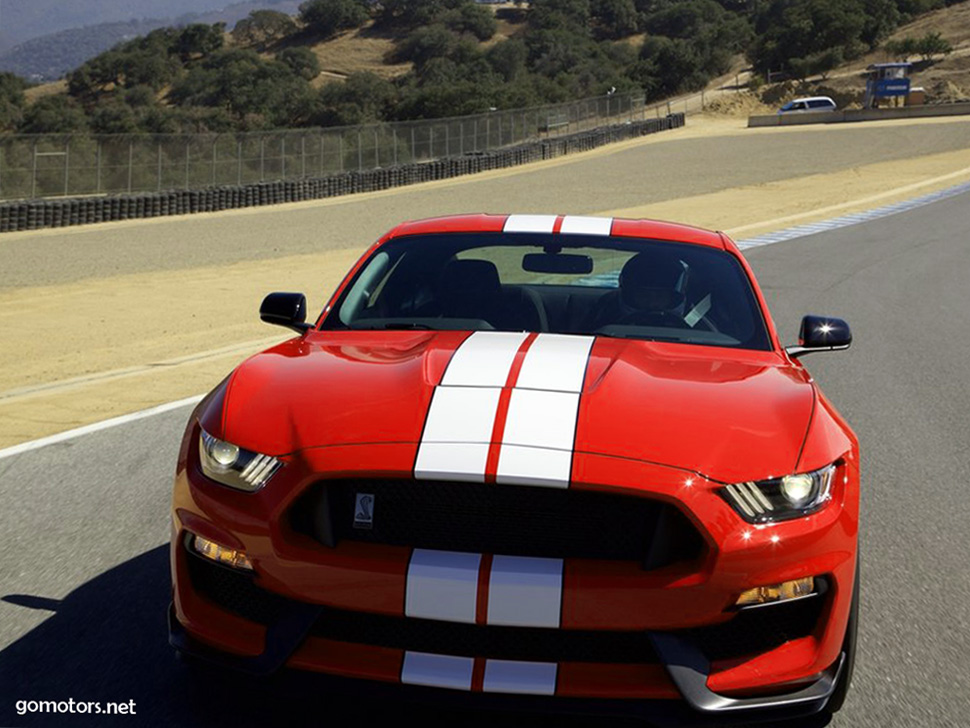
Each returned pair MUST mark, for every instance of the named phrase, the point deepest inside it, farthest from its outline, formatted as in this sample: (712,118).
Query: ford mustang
(542,460)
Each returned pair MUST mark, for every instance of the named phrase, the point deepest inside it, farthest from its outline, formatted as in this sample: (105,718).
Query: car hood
(726,414)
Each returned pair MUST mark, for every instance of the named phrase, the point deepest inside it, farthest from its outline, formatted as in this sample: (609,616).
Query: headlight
(231,465)
(781,499)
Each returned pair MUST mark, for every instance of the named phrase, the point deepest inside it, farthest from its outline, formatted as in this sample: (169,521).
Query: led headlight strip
(231,465)
(781,499)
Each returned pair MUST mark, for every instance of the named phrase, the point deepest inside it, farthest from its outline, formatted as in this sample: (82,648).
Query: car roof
(614,226)
(813,98)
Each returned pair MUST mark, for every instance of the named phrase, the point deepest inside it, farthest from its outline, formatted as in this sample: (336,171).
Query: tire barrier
(47,213)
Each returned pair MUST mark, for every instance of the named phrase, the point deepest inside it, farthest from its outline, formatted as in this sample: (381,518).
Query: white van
(809,103)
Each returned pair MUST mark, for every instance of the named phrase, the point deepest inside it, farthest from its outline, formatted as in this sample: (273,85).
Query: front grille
(500,519)
(753,631)
(501,643)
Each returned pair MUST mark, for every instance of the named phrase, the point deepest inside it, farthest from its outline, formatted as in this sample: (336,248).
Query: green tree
(254,92)
(327,17)
(113,117)
(55,114)
(424,44)
(262,27)
(361,98)
(301,60)
(790,29)
(508,58)
(932,44)
(471,18)
(199,40)
(11,100)
(615,18)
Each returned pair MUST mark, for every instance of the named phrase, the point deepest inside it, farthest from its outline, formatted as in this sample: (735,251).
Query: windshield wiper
(405,326)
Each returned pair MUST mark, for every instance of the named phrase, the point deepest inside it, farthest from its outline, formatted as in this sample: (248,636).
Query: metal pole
(67,165)
(33,182)
(187,163)
(431,141)
(461,137)
(488,131)
(239,161)
(447,140)
(377,149)
(213,161)
(394,142)
(340,153)
(131,156)
(303,157)
(321,155)
(158,181)
(283,157)
(475,133)
(98,183)
(414,149)
(262,158)
(360,153)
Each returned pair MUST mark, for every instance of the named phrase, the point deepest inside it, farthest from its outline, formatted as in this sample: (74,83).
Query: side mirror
(821,333)
(285,309)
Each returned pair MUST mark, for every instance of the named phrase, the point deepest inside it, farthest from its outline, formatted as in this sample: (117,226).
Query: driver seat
(470,289)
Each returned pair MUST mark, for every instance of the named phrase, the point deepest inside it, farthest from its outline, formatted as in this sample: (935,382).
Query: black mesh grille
(508,643)
(234,591)
(500,519)
(753,631)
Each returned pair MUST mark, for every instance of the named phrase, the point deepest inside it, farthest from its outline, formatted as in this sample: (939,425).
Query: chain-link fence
(36,166)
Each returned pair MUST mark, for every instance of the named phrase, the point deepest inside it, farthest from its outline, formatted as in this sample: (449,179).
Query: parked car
(530,458)
(808,104)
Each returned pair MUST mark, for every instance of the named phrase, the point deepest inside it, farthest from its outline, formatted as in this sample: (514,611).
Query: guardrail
(850,115)
(43,213)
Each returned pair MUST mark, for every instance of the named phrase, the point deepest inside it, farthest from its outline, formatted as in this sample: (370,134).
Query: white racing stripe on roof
(514,676)
(530,223)
(442,585)
(581,225)
(439,671)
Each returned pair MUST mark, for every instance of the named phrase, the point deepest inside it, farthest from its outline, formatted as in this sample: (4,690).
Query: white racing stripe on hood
(539,430)
(458,428)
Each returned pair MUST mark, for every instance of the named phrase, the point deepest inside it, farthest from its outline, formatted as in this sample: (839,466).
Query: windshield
(569,284)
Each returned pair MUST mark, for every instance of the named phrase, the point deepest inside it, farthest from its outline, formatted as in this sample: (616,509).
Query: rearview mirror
(821,333)
(557,263)
(285,309)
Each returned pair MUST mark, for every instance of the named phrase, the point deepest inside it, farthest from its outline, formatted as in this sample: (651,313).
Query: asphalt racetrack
(84,581)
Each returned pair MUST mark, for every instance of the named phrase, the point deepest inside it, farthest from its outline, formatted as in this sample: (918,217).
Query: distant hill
(50,56)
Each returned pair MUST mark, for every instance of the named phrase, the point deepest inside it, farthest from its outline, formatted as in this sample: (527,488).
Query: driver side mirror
(285,309)
(821,333)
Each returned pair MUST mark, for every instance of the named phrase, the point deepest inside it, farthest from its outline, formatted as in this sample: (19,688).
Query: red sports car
(530,455)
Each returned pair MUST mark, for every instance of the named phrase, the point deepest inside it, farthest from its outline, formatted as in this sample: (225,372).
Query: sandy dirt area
(108,319)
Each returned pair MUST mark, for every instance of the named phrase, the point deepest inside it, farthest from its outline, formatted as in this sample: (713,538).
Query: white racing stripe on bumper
(526,678)
(442,585)
(525,591)
(582,225)
(529,223)
(438,671)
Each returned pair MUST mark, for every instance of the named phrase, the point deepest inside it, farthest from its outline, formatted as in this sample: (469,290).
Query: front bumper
(795,676)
